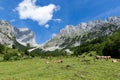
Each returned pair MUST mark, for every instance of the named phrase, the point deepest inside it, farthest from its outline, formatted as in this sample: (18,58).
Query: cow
(102,57)
(47,62)
(108,57)
(118,60)
(58,61)
(114,61)
(98,57)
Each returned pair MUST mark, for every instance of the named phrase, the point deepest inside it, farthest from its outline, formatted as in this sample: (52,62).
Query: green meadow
(72,68)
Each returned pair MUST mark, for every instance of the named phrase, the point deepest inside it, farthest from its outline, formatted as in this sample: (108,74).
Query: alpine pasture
(72,68)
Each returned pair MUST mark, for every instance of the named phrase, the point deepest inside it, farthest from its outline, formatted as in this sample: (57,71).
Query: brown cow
(114,60)
(108,57)
(58,61)
(47,62)
(118,60)
(103,57)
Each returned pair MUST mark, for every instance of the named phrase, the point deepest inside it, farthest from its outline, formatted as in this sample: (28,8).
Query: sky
(47,17)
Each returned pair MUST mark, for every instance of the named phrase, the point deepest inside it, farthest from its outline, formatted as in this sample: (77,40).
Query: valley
(59,40)
(70,55)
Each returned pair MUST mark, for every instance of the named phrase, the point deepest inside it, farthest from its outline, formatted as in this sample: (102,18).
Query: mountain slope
(8,33)
(75,35)
(25,36)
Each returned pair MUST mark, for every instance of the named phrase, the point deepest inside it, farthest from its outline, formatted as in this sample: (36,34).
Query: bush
(2,49)
(12,54)
(6,57)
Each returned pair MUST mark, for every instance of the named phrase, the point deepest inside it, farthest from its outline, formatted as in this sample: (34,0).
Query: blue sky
(47,17)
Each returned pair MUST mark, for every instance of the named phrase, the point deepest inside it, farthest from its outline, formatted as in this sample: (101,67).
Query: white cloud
(29,10)
(47,25)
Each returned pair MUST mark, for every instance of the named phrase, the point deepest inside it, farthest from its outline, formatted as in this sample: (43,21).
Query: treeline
(42,53)
(17,52)
(105,45)
(10,53)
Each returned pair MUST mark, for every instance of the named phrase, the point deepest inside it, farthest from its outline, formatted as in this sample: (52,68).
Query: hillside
(100,36)
(15,42)
(8,33)
(105,45)
(108,45)
(76,35)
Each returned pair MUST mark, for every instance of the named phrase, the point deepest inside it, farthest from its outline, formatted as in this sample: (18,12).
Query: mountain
(6,33)
(25,36)
(72,36)
(9,35)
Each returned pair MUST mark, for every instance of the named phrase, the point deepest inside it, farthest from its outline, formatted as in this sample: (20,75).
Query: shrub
(12,54)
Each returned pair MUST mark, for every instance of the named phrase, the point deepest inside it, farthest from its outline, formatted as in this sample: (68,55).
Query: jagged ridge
(76,35)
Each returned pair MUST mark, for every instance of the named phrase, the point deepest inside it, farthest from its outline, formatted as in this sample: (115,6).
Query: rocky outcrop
(6,33)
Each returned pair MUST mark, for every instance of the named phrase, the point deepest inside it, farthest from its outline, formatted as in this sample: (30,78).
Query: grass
(73,68)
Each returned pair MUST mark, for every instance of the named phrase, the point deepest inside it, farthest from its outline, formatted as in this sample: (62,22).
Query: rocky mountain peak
(22,35)
(75,35)
(4,22)
(113,19)
(83,25)
(25,36)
